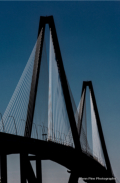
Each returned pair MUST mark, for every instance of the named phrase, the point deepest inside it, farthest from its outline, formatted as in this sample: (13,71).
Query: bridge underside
(66,156)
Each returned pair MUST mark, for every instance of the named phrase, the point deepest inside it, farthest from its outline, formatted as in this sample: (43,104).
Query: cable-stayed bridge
(42,119)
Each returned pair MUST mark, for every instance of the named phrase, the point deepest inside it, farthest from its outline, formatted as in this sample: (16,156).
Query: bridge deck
(64,155)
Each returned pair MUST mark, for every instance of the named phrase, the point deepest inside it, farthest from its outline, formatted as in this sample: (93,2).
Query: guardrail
(40,132)
(92,154)
(49,134)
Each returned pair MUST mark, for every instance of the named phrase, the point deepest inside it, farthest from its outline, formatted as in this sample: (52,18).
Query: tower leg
(3,168)
(22,168)
(38,170)
(73,178)
(27,173)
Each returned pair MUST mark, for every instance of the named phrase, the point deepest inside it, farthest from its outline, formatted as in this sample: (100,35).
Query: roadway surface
(80,162)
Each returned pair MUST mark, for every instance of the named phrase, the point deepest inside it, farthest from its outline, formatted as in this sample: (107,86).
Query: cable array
(97,148)
(14,117)
(58,122)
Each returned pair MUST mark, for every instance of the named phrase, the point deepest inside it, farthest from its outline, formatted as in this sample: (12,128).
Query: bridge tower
(102,140)
(33,91)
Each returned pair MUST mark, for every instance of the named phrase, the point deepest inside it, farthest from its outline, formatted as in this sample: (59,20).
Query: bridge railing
(40,132)
(92,154)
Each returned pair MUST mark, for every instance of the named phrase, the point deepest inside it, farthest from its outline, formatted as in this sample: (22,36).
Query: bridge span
(45,102)
(47,150)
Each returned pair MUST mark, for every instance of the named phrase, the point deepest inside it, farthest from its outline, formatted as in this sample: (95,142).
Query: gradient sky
(89,38)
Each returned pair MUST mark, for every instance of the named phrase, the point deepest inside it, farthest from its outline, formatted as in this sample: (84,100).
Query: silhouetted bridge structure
(42,120)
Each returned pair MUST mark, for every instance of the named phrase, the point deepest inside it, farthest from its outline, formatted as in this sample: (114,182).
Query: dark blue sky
(89,38)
